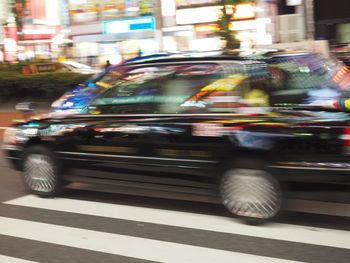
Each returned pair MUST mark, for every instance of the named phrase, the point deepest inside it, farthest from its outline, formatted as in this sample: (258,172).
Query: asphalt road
(89,226)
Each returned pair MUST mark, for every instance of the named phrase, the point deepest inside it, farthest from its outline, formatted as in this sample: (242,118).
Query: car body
(241,131)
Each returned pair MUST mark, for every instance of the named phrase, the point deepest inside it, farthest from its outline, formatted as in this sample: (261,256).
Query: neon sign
(129,25)
(244,11)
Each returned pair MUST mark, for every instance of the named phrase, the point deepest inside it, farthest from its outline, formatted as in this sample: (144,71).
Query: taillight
(346,136)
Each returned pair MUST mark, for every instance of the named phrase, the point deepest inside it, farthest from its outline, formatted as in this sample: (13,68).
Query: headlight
(16,135)
(10,136)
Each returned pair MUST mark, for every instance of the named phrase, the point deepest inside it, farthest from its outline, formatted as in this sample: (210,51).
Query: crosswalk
(142,234)
(13,260)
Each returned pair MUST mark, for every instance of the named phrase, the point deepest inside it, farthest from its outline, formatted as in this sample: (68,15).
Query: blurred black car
(246,131)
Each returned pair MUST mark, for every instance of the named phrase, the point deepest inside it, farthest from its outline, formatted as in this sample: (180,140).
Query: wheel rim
(39,173)
(251,193)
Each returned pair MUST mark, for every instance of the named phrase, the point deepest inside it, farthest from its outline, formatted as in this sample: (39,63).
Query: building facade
(112,29)
(194,27)
(120,29)
(40,36)
(93,31)
(3,21)
(332,22)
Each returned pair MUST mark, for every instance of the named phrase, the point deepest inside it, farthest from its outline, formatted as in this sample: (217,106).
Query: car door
(114,142)
(193,130)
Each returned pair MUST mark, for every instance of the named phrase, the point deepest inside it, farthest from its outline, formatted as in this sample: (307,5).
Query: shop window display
(112,8)
(83,10)
(180,3)
(99,10)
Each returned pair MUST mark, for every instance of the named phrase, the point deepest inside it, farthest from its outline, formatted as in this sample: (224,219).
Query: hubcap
(39,173)
(251,193)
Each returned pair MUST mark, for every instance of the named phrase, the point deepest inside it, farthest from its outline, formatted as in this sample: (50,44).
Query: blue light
(129,25)
(140,26)
(30,124)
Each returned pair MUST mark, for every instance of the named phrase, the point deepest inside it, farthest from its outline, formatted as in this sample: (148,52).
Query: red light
(346,136)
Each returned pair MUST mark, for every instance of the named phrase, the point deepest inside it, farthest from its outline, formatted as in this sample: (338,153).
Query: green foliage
(16,67)
(224,32)
(48,85)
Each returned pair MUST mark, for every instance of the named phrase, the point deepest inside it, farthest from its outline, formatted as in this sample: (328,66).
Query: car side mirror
(25,107)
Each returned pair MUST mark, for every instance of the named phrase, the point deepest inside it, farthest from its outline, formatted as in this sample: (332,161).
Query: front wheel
(250,192)
(41,171)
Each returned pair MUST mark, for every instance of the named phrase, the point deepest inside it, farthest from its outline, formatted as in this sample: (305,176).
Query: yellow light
(207,28)
(244,11)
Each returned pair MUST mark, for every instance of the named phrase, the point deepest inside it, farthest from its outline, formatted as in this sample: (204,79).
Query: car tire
(41,171)
(249,191)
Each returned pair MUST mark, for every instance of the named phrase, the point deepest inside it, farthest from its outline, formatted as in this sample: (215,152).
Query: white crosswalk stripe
(152,249)
(142,248)
(6,259)
(309,235)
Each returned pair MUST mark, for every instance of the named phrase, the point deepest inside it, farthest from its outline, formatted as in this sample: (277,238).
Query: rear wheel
(41,171)
(250,191)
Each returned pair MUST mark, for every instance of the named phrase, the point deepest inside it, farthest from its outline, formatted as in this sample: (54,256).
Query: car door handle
(134,129)
(123,129)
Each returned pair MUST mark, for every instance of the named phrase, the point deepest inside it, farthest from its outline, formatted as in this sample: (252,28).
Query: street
(88,226)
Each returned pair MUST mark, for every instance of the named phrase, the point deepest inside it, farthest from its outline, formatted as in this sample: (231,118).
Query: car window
(111,77)
(305,79)
(224,87)
(240,87)
(293,79)
(220,95)
(157,89)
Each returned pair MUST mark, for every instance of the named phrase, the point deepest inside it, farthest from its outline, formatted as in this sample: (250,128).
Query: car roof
(235,55)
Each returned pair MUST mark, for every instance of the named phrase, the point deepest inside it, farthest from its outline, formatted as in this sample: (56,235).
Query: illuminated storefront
(82,11)
(116,40)
(37,42)
(184,36)
(112,29)
(133,27)
(40,33)
(10,44)
(187,3)
(196,27)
